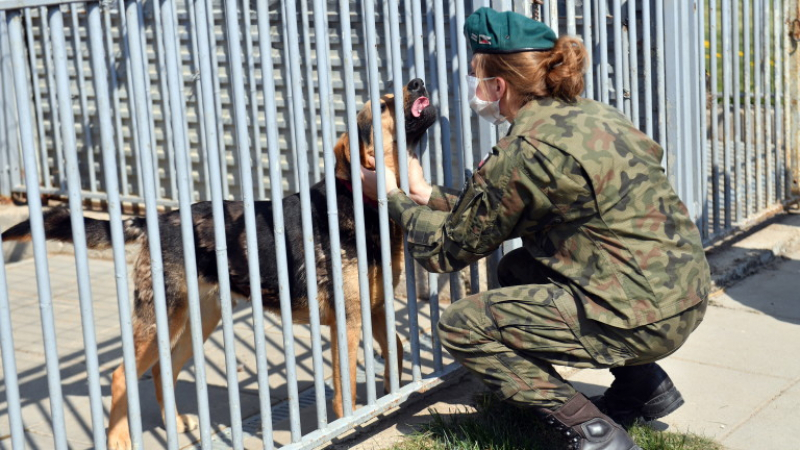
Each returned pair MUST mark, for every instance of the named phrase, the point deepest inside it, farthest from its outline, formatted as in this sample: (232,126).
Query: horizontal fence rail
(130,108)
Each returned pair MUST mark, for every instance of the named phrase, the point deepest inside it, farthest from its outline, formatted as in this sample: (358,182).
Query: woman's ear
(502,88)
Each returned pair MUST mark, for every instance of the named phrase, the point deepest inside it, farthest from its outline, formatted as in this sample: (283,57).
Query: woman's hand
(420,190)
(369,180)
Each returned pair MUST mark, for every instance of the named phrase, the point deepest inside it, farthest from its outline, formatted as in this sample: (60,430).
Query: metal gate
(145,106)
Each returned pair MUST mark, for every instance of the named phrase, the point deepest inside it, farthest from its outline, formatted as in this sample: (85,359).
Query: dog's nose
(416,86)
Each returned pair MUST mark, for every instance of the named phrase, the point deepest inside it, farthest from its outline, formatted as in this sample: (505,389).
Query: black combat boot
(639,392)
(586,428)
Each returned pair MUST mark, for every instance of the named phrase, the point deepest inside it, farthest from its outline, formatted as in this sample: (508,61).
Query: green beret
(490,31)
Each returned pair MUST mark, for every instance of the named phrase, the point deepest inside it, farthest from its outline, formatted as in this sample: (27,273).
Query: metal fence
(163,103)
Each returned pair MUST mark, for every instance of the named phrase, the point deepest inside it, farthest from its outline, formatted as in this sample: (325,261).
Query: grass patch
(499,426)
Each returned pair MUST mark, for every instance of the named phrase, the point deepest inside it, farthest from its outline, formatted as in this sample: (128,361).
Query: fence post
(792,15)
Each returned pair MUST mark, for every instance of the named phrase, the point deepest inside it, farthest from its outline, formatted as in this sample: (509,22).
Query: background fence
(163,103)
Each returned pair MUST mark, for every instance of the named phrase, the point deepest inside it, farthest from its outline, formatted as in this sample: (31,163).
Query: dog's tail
(58,227)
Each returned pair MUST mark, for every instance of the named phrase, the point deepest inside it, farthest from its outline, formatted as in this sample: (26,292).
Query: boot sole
(656,408)
(663,405)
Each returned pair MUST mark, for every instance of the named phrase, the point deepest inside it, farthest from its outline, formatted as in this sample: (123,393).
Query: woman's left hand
(369,180)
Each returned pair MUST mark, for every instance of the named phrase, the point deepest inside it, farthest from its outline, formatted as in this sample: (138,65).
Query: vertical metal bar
(312,106)
(634,62)
(390,61)
(545,14)
(626,70)
(308,235)
(126,58)
(452,55)
(320,29)
(434,144)
(17,46)
(446,160)
(759,132)
(737,116)
(552,15)
(76,217)
(394,24)
(37,101)
(10,382)
(101,89)
(661,81)
(647,68)
(276,192)
(701,107)
(138,69)
(587,40)
(210,24)
(182,161)
(672,124)
(727,132)
(602,34)
(116,111)
(296,130)
(419,64)
(769,151)
(81,80)
(715,156)
(788,149)
(410,60)
(619,94)
(689,165)
(197,89)
(466,123)
(358,208)
(166,109)
(255,122)
(383,212)
(6,108)
(148,93)
(245,173)
(777,25)
(572,28)
(51,93)
(747,198)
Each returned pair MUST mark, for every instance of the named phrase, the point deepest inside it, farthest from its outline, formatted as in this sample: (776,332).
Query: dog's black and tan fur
(419,115)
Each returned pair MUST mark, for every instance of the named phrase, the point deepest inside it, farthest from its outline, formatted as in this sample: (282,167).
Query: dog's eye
(383,107)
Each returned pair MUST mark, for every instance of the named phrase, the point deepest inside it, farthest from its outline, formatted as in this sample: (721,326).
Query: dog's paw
(119,440)
(186,422)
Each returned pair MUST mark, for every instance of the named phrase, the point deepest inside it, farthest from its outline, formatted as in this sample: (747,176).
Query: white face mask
(487,110)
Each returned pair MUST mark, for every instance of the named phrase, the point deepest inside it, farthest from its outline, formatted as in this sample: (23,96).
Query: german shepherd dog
(419,115)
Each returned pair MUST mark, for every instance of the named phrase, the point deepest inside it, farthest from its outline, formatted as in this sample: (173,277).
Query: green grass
(499,426)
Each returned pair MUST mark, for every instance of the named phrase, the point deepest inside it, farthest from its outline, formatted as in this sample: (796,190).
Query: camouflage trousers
(512,336)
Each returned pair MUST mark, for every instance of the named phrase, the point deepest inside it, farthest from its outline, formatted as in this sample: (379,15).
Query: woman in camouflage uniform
(611,273)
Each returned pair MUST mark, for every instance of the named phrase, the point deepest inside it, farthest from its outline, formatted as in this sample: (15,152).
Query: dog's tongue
(419,105)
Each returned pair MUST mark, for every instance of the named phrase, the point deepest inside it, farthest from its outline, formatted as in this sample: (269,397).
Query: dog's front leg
(379,332)
(353,337)
(119,437)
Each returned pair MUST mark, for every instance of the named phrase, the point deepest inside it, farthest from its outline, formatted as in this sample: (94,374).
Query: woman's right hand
(419,189)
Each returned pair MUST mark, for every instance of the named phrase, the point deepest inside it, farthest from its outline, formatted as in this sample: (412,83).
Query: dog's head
(419,115)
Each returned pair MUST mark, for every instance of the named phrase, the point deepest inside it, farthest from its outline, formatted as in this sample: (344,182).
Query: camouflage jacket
(586,192)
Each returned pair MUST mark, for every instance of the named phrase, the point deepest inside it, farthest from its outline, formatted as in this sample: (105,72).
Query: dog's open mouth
(419,106)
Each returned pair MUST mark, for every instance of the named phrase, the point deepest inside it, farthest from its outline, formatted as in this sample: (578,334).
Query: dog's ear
(342,152)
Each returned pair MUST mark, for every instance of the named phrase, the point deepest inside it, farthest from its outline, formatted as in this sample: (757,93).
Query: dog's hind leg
(182,351)
(146,352)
